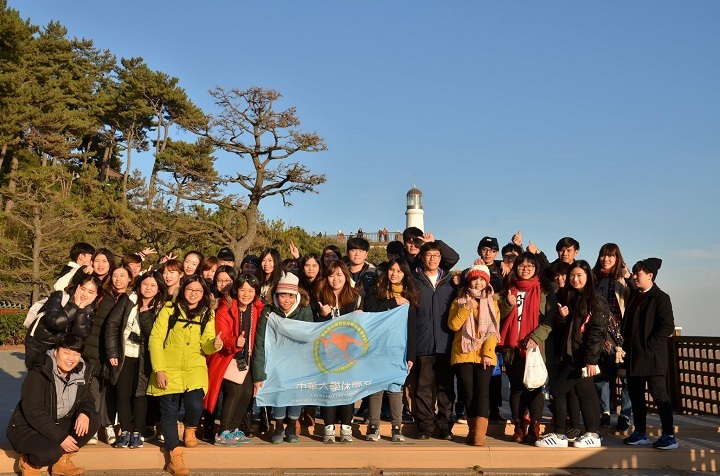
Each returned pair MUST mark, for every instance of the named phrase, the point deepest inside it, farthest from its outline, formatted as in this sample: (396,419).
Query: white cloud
(709,254)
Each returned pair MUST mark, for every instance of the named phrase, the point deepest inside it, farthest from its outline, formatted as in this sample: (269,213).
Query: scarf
(509,337)
(472,336)
(395,291)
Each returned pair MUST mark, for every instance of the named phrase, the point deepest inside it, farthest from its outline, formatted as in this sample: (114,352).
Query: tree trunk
(86,155)
(127,166)
(2,154)
(37,244)
(11,183)
(248,240)
(104,165)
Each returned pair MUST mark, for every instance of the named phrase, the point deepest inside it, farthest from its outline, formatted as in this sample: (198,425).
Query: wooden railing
(374,238)
(697,363)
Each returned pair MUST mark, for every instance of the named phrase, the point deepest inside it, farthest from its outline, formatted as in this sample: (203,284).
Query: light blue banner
(335,362)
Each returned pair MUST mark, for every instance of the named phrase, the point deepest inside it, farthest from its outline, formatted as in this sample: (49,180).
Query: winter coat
(365,277)
(541,334)
(448,260)
(458,316)
(227,321)
(37,410)
(646,332)
(373,303)
(623,289)
(182,356)
(583,336)
(57,319)
(94,353)
(433,334)
(301,313)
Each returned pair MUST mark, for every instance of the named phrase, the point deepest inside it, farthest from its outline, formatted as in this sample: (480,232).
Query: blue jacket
(433,334)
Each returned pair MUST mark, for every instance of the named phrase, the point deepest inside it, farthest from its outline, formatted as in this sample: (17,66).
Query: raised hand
(218,343)
(241,340)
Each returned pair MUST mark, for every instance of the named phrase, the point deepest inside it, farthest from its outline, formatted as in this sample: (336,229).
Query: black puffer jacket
(37,410)
(94,353)
(584,335)
(57,319)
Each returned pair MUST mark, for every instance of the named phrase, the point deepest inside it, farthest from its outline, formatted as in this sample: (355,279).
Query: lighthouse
(414,212)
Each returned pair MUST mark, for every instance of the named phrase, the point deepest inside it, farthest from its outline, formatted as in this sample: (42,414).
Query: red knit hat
(478,270)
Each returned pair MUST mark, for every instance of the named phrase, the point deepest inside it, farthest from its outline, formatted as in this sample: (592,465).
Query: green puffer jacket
(182,358)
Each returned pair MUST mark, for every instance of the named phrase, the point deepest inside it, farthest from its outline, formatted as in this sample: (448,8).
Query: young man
(488,250)
(435,376)
(249,264)
(361,272)
(414,239)
(646,327)
(567,249)
(56,413)
(226,257)
(394,249)
(80,255)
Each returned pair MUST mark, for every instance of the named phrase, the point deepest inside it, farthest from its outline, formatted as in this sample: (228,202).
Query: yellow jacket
(456,320)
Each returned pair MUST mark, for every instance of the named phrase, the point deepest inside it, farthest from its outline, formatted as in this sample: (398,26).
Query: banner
(335,362)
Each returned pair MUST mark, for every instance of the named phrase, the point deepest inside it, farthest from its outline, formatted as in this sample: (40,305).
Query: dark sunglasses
(247,278)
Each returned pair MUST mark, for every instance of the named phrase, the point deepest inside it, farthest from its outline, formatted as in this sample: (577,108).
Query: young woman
(394,288)
(133,262)
(289,302)
(172,273)
(208,267)
(223,282)
(290,265)
(309,271)
(613,282)
(192,261)
(103,263)
(126,331)
(583,338)
(70,311)
(236,319)
(335,296)
(182,337)
(269,273)
(474,318)
(330,253)
(527,311)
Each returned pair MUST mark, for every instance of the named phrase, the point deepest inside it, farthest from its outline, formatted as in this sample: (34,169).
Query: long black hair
(583,301)
(162,293)
(410,291)
(511,280)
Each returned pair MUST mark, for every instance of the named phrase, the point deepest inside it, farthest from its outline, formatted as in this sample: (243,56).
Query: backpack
(175,317)
(37,311)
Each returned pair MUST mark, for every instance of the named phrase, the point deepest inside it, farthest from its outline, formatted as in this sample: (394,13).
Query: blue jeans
(292,412)
(603,390)
(170,410)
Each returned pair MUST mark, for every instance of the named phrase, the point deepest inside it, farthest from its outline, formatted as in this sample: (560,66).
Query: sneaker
(346,433)
(623,424)
(461,418)
(446,435)
(605,420)
(93,440)
(373,433)
(226,439)
(636,439)
(135,440)
(110,434)
(572,434)
(278,436)
(159,433)
(552,440)
(588,440)
(329,435)
(666,442)
(424,435)
(240,436)
(123,441)
(149,434)
(407,418)
(291,436)
(397,434)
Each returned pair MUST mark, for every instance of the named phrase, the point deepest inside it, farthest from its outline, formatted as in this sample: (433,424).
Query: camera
(135,338)
(242,363)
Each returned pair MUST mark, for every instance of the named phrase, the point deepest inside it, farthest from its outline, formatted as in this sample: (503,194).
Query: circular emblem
(340,346)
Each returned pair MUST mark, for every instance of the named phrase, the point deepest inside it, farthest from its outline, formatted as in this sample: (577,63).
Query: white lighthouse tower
(414,212)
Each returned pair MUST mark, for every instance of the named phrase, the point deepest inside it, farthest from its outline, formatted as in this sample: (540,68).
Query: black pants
(522,398)
(169,410)
(98,389)
(330,414)
(569,378)
(236,397)
(476,388)
(128,404)
(657,386)
(495,394)
(42,451)
(435,381)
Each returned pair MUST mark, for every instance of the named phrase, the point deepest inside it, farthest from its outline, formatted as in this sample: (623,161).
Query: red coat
(226,321)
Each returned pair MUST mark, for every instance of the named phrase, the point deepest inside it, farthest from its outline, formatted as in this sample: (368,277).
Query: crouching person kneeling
(56,413)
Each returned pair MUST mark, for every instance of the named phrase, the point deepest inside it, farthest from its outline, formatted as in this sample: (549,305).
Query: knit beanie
(652,265)
(252,259)
(478,270)
(288,284)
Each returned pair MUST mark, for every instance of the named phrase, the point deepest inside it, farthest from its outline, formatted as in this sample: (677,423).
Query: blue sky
(598,120)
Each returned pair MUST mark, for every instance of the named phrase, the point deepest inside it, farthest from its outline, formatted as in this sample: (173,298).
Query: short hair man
(362,272)
(50,436)
(488,249)
(646,327)
(80,256)
(226,257)
(414,239)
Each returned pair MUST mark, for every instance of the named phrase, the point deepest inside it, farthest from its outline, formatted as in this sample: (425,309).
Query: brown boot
(481,431)
(65,467)
(533,432)
(190,437)
(176,466)
(27,469)
(472,422)
(519,433)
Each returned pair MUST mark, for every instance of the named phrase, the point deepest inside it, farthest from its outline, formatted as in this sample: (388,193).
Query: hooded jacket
(433,334)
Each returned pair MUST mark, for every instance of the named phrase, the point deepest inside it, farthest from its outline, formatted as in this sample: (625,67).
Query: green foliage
(12,330)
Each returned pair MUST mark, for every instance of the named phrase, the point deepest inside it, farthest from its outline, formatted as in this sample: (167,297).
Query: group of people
(115,341)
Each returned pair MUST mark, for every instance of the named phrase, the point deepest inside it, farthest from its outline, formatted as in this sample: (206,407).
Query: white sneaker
(588,440)
(93,440)
(346,433)
(552,440)
(329,435)
(110,434)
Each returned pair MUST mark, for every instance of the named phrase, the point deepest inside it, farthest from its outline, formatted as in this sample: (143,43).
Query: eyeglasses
(486,251)
(193,291)
(526,266)
(433,255)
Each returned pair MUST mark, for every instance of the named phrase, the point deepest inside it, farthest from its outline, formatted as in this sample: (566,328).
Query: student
(134,263)
(435,376)
(646,328)
(474,319)
(329,254)
(527,312)
(80,256)
(223,283)
(289,302)
(182,337)
(208,267)
(226,257)
(250,264)
(394,249)
(309,271)
(172,273)
(394,288)
(487,250)
(335,296)
(361,272)
(192,261)
(414,239)
(269,273)
(56,414)
(581,343)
